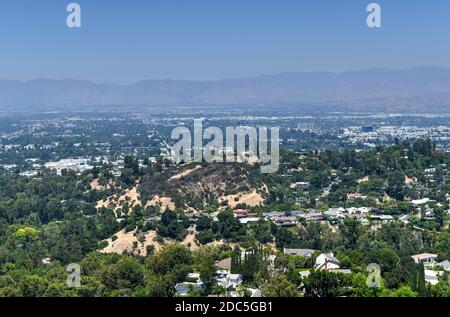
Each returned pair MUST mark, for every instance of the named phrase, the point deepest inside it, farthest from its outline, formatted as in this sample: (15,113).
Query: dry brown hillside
(212,184)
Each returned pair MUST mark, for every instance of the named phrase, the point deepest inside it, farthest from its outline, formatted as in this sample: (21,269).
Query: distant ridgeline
(367,90)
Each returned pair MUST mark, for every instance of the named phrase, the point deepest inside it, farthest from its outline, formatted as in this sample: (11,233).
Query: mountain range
(419,89)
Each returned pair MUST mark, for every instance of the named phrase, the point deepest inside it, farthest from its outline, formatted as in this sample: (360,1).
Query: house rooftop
(445,264)
(299,252)
(424,256)
(420,201)
(224,264)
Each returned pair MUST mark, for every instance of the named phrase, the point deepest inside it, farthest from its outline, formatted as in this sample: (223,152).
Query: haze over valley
(413,89)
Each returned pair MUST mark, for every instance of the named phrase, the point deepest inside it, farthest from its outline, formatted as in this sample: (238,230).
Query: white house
(419,202)
(363,220)
(431,277)
(285,221)
(194,276)
(299,252)
(245,221)
(327,261)
(228,280)
(382,218)
(425,258)
(445,265)
(404,219)
(183,289)
(333,214)
(365,210)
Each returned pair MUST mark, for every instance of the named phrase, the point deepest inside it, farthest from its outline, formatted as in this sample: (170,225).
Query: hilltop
(192,188)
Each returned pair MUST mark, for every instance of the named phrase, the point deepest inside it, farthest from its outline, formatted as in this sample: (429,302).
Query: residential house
(285,221)
(352,210)
(445,265)
(242,213)
(428,213)
(333,214)
(364,210)
(271,214)
(192,217)
(254,292)
(431,277)
(353,196)
(419,202)
(228,280)
(304,273)
(363,220)
(224,264)
(312,216)
(327,261)
(355,210)
(382,218)
(295,213)
(193,276)
(426,258)
(299,252)
(404,219)
(185,288)
(302,185)
(245,221)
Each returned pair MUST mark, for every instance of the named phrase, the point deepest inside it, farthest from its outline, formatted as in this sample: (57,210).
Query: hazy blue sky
(127,41)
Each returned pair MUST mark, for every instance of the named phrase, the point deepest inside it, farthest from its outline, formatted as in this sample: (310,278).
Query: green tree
(279,286)
(321,283)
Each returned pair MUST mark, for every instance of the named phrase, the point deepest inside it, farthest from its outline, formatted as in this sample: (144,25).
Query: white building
(419,202)
(425,258)
(431,277)
(445,265)
(77,165)
(228,280)
(327,261)
(250,219)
